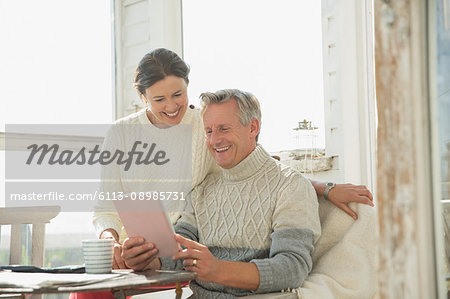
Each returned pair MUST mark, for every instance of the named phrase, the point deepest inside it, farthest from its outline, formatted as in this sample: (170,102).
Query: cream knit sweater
(104,215)
(259,211)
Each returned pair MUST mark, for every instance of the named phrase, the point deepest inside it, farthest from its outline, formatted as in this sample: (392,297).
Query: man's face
(227,139)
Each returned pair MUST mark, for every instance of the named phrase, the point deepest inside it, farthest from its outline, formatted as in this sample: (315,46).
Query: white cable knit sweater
(202,163)
(259,211)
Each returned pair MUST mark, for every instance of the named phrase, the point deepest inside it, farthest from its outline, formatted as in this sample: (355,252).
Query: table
(130,283)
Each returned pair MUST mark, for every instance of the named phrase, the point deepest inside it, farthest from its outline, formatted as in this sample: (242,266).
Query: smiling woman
(161,81)
(166,100)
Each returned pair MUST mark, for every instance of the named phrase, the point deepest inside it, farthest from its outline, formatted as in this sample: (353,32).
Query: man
(253,225)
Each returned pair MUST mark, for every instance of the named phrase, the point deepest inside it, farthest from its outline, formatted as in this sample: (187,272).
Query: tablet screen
(147,218)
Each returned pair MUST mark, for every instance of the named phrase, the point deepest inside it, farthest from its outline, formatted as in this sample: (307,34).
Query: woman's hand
(118,262)
(140,255)
(197,258)
(342,194)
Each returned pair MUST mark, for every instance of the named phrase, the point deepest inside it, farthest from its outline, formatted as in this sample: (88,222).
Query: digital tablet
(147,218)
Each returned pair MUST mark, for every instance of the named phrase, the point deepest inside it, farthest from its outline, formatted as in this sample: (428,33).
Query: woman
(161,80)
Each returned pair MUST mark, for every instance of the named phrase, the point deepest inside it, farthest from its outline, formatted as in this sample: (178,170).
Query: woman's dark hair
(157,65)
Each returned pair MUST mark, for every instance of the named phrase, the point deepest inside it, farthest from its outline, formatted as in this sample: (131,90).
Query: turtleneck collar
(247,167)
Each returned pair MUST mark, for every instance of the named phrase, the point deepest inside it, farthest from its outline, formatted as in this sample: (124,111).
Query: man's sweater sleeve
(296,227)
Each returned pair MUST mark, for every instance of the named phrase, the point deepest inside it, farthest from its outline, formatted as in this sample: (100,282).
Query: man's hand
(198,258)
(140,255)
(342,194)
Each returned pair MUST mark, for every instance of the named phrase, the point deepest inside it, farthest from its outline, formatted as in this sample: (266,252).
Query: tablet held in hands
(148,219)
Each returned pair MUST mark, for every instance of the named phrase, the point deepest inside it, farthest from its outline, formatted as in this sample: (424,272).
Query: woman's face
(167,100)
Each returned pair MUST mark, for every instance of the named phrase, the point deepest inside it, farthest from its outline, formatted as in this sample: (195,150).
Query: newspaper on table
(10,279)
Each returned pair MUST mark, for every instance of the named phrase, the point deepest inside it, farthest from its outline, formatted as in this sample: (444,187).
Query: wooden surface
(15,248)
(28,215)
(38,217)
(404,197)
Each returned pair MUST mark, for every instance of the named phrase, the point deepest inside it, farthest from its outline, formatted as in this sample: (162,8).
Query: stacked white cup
(98,255)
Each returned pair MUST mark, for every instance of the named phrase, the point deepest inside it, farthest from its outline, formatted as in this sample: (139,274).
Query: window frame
(164,20)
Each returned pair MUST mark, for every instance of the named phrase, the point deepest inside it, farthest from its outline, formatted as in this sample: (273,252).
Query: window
(56,69)
(439,57)
(272,49)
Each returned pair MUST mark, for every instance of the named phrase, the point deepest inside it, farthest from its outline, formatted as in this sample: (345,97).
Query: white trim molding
(139,27)
(348,88)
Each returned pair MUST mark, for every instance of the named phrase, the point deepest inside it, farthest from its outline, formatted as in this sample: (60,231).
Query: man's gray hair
(248,104)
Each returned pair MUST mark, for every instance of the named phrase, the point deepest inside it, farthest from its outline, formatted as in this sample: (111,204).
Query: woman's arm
(342,194)
(105,218)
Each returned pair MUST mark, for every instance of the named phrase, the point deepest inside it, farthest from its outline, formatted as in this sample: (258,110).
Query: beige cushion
(344,259)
